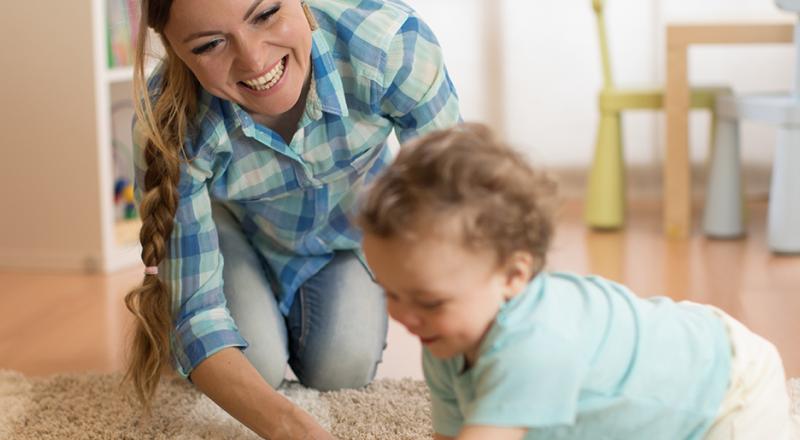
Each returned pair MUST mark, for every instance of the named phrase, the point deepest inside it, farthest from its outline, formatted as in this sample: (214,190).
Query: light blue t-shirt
(577,357)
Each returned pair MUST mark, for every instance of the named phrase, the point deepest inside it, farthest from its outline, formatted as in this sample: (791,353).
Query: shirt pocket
(352,169)
(275,178)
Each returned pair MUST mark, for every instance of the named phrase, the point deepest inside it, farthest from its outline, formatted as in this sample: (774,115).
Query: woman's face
(256,53)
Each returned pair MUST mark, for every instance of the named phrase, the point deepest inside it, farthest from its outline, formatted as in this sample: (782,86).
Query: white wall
(49,183)
(551,71)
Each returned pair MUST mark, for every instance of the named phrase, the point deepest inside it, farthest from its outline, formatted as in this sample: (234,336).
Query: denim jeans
(335,333)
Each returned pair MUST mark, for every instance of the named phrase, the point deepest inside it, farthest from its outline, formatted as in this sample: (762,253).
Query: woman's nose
(250,56)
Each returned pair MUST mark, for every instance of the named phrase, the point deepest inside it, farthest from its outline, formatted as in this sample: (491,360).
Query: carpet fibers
(93,406)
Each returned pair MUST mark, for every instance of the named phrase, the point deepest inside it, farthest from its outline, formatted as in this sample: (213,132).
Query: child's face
(253,52)
(442,292)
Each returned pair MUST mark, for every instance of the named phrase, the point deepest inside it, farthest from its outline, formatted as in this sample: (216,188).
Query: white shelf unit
(56,176)
(119,74)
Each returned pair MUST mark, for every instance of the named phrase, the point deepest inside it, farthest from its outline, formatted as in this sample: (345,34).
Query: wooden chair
(724,207)
(605,204)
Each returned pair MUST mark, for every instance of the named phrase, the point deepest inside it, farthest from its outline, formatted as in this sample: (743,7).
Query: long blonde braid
(163,120)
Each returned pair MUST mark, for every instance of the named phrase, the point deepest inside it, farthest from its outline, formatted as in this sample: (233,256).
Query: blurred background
(544,82)
(529,68)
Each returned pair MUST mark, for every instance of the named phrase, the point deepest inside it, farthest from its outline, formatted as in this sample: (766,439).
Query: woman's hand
(230,380)
(298,424)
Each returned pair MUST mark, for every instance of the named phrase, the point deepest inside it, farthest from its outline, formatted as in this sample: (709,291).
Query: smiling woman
(252,140)
(236,55)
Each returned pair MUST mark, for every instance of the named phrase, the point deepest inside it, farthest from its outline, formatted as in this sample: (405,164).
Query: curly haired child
(456,231)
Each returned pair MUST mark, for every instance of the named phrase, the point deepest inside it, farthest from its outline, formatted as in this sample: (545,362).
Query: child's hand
(492,432)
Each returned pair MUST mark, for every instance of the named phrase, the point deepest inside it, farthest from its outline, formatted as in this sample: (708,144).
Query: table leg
(676,165)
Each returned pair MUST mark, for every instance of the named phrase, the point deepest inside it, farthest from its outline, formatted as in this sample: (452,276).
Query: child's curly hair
(463,173)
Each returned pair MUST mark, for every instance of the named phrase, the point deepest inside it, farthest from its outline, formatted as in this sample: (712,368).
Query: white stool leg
(783,225)
(723,216)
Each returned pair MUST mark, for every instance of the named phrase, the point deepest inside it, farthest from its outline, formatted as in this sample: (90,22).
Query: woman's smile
(267,82)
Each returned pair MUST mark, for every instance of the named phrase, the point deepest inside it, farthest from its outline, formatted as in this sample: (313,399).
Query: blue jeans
(335,333)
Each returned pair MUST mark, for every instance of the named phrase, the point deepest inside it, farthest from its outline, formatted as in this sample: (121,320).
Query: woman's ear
(312,21)
(519,270)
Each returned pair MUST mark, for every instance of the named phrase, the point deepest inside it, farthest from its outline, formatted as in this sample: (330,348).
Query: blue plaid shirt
(376,68)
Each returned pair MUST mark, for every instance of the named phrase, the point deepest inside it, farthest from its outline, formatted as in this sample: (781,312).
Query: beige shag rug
(93,406)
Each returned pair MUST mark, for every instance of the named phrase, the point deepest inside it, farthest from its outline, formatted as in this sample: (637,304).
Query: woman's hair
(463,174)
(163,118)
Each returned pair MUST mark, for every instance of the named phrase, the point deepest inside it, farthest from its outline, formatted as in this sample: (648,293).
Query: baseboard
(645,181)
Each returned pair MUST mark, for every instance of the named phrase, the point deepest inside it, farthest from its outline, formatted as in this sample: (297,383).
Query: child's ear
(519,270)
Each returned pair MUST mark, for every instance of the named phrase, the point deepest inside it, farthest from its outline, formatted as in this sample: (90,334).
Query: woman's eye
(264,16)
(206,47)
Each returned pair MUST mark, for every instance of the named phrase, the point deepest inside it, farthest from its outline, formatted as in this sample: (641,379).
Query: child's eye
(390,296)
(264,16)
(432,305)
(206,47)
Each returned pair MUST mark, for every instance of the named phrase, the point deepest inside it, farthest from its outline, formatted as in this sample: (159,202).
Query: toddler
(456,231)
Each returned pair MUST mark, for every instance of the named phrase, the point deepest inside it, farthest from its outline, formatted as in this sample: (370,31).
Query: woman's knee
(336,358)
(251,300)
(338,325)
(272,369)
(342,367)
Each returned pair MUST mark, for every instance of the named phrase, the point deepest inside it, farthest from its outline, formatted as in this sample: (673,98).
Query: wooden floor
(66,323)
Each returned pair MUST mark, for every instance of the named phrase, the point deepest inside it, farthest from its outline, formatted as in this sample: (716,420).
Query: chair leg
(724,211)
(783,224)
(605,203)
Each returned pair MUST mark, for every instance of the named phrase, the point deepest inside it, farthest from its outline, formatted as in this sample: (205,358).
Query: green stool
(605,199)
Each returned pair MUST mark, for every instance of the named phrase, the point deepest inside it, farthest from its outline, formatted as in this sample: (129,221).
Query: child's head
(453,228)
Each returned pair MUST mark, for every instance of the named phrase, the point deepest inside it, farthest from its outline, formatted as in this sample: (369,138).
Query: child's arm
(492,432)
(441,437)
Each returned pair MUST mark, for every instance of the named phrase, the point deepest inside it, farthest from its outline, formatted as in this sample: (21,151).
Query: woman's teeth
(268,80)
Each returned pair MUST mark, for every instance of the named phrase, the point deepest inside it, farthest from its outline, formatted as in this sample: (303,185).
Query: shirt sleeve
(446,416)
(418,94)
(192,268)
(534,385)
